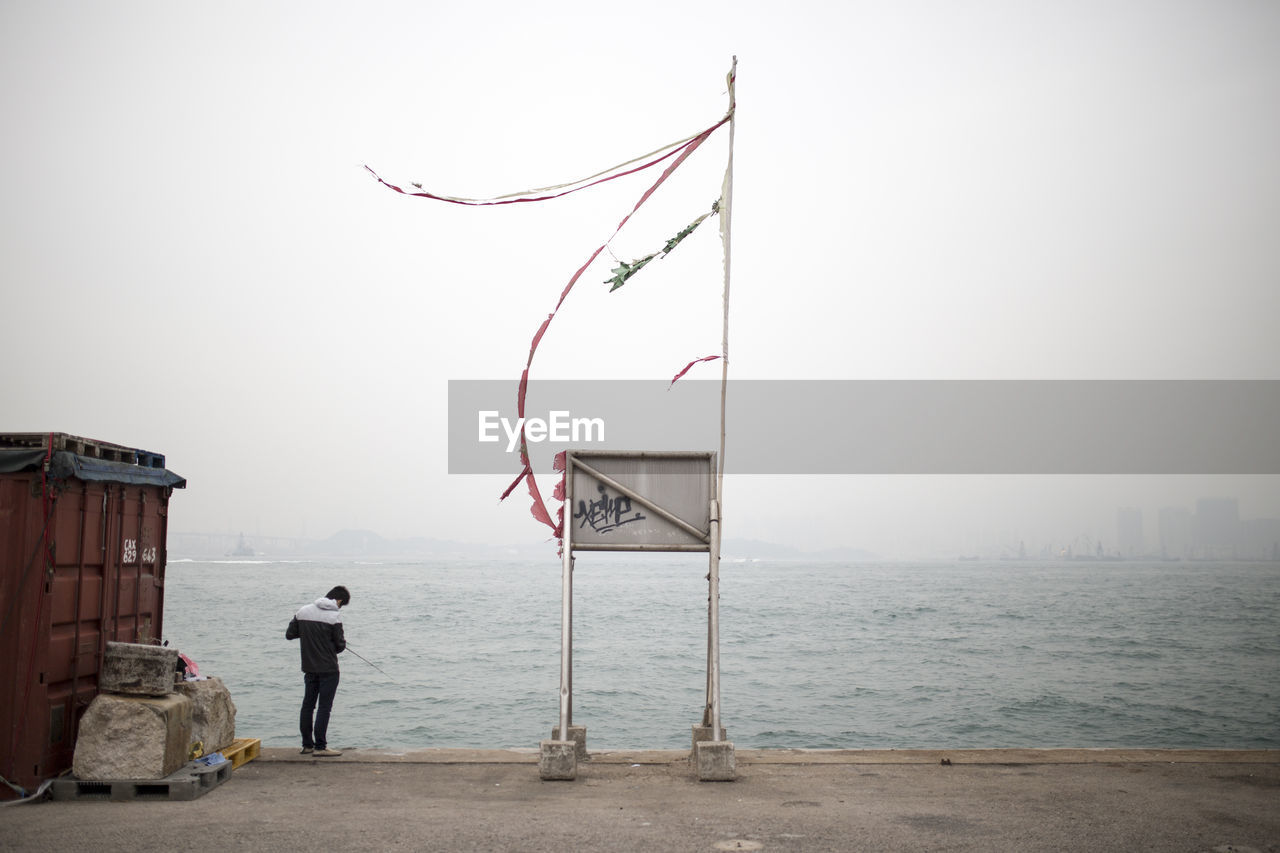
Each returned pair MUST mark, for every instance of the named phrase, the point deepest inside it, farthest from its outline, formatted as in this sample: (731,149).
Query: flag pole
(713,576)
(726,223)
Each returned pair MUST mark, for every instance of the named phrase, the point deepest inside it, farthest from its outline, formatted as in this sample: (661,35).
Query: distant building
(1260,539)
(1217,528)
(1176,531)
(1129,538)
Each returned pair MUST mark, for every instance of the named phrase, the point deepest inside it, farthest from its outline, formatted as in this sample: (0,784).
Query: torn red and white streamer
(677,153)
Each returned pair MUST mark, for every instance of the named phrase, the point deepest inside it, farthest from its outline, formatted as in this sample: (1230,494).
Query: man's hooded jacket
(319,626)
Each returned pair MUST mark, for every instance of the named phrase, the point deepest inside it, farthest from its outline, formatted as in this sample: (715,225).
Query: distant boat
(242,549)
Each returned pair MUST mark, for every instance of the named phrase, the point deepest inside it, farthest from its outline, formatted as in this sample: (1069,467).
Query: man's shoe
(327,752)
(307,750)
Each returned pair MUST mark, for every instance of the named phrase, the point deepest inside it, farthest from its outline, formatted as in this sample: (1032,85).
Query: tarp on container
(17,460)
(65,465)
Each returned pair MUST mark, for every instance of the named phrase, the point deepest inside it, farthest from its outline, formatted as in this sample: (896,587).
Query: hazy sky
(195,262)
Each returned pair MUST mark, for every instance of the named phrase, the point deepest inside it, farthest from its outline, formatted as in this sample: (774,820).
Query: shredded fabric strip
(560,190)
(680,151)
(690,365)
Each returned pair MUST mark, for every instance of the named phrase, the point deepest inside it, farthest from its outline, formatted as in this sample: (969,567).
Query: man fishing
(319,626)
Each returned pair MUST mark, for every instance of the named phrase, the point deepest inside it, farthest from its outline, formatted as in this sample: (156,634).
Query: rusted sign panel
(639,501)
(82,562)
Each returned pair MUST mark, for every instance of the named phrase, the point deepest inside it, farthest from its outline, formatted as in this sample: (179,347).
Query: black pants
(320,690)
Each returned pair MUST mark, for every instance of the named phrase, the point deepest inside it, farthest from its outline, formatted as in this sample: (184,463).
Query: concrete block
(715,761)
(701,733)
(213,714)
(138,670)
(133,737)
(577,734)
(558,760)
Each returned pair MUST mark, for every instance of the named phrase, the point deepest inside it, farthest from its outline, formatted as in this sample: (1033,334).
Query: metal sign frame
(679,517)
(708,540)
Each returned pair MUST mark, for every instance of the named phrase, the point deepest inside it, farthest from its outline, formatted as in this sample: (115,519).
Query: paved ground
(783,800)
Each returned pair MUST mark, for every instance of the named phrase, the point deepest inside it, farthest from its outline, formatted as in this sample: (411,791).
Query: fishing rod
(366,660)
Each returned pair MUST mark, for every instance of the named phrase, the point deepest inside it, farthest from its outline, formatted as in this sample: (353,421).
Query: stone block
(138,670)
(558,760)
(577,734)
(701,733)
(133,737)
(213,714)
(715,761)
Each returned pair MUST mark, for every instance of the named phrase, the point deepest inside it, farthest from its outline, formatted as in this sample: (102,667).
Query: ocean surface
(816,655)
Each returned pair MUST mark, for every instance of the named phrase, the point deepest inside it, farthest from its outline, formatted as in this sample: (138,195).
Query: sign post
(640,501)
(651,502)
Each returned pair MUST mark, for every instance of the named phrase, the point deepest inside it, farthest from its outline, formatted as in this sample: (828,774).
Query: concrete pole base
(701,733)
(558,760)
(715,761)
(577,734)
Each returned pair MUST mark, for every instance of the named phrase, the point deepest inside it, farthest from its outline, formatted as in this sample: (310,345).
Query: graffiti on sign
(607,513)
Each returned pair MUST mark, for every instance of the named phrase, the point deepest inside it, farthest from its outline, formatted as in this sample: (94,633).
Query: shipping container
(82,562)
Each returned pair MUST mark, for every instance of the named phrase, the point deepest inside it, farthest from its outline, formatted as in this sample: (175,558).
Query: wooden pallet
(242,751)
(191,781)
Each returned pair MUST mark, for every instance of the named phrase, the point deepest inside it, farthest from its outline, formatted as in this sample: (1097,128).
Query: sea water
(813,655)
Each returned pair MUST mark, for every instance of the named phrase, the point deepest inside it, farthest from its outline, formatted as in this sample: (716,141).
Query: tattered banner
(677,152)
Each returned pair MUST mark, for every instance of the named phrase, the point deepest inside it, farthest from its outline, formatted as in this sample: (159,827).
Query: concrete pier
(783,800)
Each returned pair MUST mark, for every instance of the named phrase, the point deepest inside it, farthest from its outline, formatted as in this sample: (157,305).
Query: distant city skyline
(1211,529)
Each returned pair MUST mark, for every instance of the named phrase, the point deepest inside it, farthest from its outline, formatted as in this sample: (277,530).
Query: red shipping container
(82,562)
